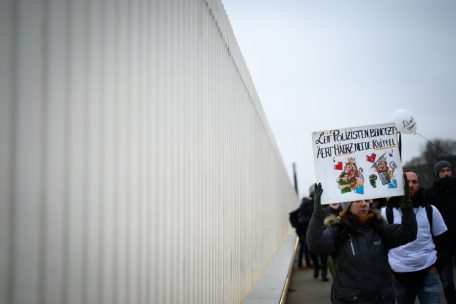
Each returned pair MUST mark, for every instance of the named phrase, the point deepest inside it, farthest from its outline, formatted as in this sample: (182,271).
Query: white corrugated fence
(137,165)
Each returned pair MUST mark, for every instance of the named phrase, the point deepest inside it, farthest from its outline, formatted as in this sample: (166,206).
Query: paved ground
(304,288)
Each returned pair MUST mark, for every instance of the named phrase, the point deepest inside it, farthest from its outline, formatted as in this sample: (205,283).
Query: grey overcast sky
(327,64)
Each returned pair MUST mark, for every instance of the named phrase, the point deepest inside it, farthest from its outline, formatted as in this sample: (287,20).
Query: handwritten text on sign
(358,163)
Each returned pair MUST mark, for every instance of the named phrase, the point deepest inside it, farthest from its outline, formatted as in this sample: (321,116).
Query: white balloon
(404,121)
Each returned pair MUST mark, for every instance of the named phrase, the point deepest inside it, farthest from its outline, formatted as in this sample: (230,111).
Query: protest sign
(358,163)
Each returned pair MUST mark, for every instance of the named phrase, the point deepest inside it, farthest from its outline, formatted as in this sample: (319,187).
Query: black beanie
(440,165)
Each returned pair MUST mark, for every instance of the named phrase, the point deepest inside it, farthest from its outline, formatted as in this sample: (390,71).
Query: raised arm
(395,235)
(319,239)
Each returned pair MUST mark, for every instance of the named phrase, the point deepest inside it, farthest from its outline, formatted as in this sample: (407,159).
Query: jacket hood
(331,220)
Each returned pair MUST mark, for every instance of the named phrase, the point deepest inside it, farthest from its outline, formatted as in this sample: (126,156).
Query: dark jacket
(443,196)
(363,274)
(304,214)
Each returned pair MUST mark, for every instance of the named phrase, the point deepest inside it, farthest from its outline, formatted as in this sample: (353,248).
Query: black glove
(406,202)
(317,199)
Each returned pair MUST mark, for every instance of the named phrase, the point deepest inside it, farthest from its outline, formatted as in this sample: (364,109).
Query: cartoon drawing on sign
(351,178)
(358,163)
(373,180)
(385,172)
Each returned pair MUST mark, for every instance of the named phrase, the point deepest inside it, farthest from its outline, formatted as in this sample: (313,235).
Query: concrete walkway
(304,288)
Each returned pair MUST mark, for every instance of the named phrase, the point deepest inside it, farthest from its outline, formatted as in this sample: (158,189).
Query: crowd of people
(386,250)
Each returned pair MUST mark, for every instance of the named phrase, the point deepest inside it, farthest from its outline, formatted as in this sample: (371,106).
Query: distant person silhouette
(299,219)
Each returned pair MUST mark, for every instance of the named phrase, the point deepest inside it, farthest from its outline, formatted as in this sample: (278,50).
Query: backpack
(294,218)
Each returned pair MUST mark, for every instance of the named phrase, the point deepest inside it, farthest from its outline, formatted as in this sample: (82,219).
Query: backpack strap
(429,215)
(389,215)
(390,218)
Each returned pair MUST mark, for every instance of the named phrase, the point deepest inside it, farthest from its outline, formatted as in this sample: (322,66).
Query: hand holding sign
(405,201)
(317,200)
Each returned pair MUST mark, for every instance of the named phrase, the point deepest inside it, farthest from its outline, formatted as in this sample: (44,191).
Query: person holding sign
(358,241)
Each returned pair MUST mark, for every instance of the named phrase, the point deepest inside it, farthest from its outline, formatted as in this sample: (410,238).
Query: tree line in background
(432,152)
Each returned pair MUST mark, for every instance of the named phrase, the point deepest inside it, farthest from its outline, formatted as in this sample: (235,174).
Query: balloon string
(431,142)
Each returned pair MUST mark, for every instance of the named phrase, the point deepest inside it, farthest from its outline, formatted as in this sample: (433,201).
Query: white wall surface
(136,163)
